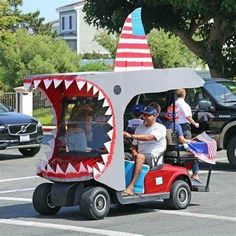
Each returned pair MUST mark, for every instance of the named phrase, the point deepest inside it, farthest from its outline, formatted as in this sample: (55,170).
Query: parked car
(19,131)
(217,97)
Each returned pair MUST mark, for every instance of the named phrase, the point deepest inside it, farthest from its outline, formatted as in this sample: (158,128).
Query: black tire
(29,152)
(42,200)
(231,152)
(180,195)
(95,203)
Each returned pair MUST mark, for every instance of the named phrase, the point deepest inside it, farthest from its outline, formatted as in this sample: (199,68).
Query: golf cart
(94,174)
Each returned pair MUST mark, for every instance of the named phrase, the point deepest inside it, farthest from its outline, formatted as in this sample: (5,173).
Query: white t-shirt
(185,110)
(156,146)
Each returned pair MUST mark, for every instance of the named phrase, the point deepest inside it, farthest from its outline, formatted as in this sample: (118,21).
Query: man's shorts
(150,160)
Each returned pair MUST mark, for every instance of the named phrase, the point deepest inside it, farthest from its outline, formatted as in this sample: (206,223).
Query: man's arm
(140,137)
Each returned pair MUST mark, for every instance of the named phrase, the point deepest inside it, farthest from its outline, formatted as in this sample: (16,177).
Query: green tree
(207,28)
(11,19)
(168,51)
(25,54)
(108,41)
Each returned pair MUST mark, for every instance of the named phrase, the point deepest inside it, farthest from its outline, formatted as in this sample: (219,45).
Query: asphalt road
(212,213)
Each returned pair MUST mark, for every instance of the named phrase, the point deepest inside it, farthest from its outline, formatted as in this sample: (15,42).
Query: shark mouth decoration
(66,166)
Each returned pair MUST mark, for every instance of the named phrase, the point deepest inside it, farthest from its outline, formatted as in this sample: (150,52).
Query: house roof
(71,6)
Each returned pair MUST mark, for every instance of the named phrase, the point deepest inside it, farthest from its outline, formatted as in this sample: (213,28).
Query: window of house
(63,23)
(68,22)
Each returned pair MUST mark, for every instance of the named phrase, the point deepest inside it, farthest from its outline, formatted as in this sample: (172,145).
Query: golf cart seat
(175,152)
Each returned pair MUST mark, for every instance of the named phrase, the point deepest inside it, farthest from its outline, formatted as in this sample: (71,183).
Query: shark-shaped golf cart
(92,172)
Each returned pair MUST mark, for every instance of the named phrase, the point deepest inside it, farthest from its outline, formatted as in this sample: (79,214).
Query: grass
(43,115)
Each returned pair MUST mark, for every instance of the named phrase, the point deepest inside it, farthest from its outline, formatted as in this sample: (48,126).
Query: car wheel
(42,200)
(231,152)
(180,195)
(29,152)
(95,203)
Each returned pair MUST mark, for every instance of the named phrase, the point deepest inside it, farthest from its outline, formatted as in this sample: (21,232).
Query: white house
(75,31)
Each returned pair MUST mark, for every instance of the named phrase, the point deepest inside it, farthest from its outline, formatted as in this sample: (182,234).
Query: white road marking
(16,199)
(17,190)
(198,215)
(66,227)
(16,179)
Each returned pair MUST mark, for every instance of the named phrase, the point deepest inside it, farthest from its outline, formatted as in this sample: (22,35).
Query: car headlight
(39,125)
(2,127)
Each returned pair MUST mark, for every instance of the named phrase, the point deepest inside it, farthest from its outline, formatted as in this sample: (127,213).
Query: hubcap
(182,195)
(100,202)
(49,201)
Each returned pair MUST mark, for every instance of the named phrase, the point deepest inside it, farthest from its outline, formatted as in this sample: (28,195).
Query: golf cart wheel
(42,200)
(94,203)
(29,152)
(231,152)
(180,195)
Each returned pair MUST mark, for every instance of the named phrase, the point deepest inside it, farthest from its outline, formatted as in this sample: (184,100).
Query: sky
(47,8)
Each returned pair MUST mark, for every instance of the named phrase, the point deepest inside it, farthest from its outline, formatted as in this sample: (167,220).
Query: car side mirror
(204,105)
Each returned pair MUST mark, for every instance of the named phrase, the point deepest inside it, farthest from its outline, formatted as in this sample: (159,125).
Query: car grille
(22,129)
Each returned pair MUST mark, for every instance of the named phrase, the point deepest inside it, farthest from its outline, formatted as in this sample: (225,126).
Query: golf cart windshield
(83,128)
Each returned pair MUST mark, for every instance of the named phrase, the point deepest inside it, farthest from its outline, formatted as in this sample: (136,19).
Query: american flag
(204,149)
(133,52)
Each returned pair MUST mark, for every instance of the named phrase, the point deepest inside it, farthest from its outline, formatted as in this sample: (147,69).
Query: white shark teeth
(100,166)
(96,173)
(110,121)
(57,82)
(108,112)
(110,133)
(36,83)
(105,103)
(82,168)
(49,169)
(108,146)
(90,169)
(59,170)
(47,83)
(70,169)
(68,83)
(89,86)
(100,95)
(80,84)
(95,90)
(105,158)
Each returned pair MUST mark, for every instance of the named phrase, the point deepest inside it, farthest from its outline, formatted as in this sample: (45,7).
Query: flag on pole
(204,149)
(133,52)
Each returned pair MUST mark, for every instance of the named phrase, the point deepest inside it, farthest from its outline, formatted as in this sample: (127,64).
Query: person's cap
(169,114)
(150,111)
(137,109)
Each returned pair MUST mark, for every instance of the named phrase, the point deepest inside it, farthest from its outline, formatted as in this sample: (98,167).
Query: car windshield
(3,108)
(223,91)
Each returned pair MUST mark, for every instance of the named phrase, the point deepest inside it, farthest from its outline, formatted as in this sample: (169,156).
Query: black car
(213,106)
(19,131)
